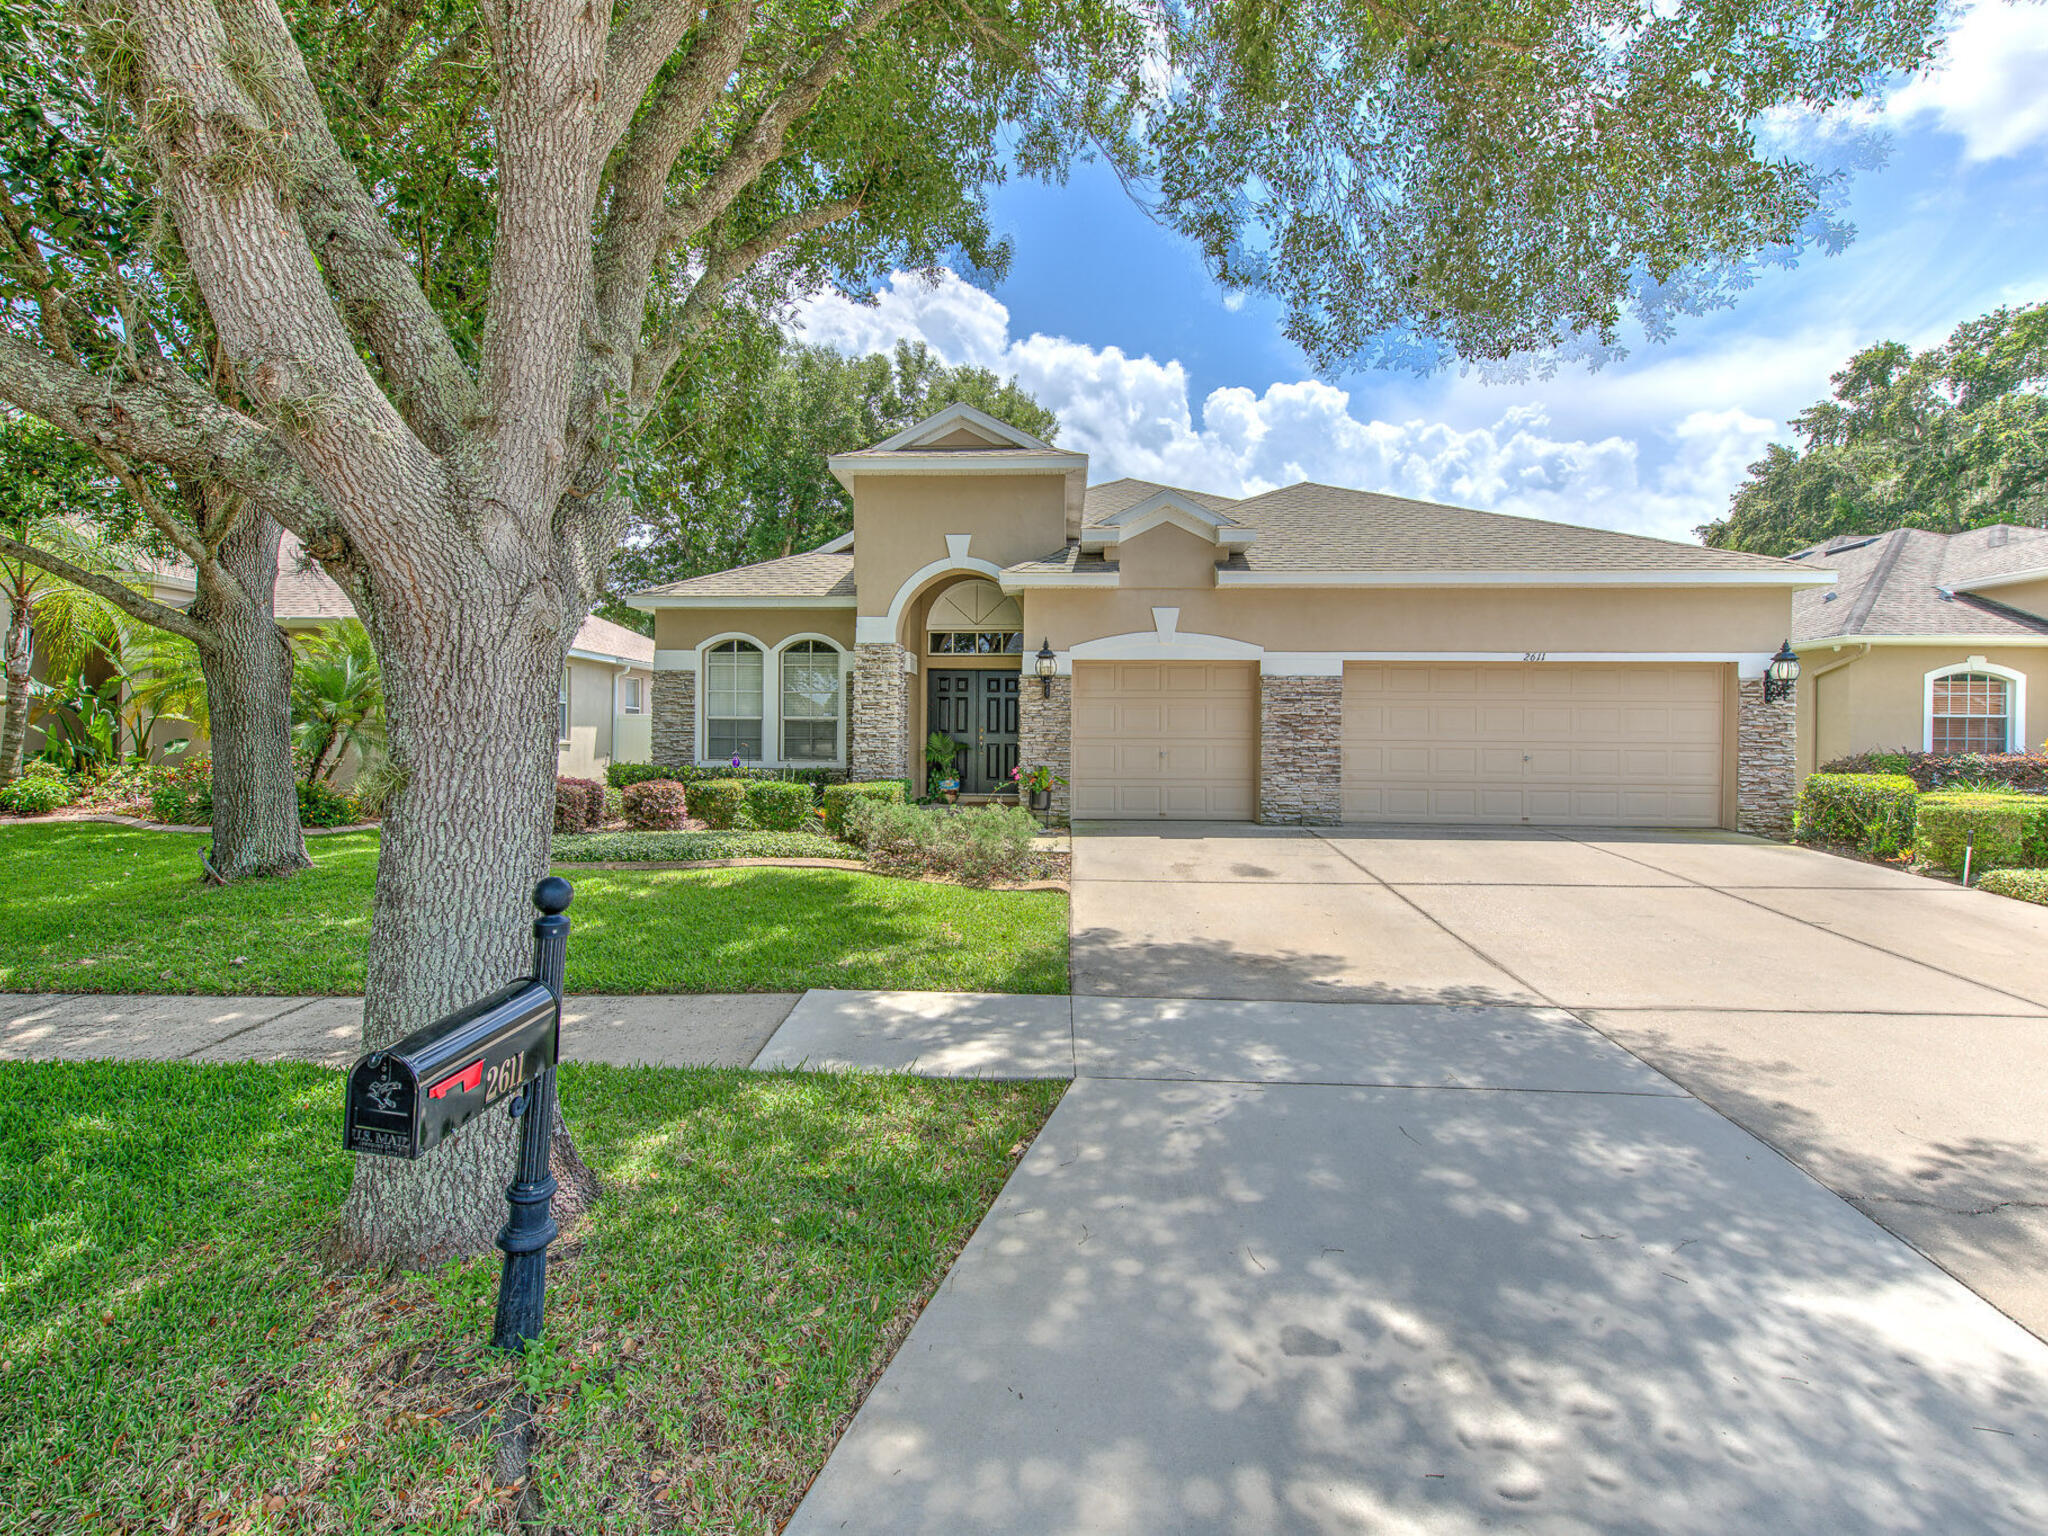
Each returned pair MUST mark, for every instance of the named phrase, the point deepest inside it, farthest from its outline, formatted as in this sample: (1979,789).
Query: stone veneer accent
(881,712)
(1301,754)
(1766,769)
(1045,734)
(673,698)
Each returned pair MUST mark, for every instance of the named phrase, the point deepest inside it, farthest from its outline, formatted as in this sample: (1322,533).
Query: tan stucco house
(1926,641)
(1309,655)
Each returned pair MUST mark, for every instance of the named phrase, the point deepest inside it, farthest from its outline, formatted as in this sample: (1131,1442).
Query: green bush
(619,775)
(2020,884)
(775,805)
(656,805)
(839,798)
(41,789)
(185,796)
(1872,812)
(683,847)
(322,805)
(719,803)
(1996,830)
(625,775)
(981,846)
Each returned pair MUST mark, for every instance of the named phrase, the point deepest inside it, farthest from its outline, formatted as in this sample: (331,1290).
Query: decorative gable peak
(1167,507)
(959,428)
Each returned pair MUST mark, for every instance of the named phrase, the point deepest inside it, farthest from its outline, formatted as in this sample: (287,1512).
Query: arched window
(1969,711)
(810,703)
(732,701)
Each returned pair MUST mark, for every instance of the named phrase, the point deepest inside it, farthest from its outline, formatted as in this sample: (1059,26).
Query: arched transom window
(974,618)
(1969,712)
(732,701)
(810,703)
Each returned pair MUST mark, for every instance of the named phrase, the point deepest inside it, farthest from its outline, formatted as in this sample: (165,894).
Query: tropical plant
(337,700)
(942,754)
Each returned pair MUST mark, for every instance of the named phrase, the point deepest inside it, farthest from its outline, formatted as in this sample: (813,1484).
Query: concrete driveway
(1886,1032)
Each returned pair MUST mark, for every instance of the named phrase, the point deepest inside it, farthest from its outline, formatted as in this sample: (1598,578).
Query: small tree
(337,700)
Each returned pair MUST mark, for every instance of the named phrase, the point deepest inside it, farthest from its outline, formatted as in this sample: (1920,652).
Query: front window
(732,723)
(810,703)
(1972,713)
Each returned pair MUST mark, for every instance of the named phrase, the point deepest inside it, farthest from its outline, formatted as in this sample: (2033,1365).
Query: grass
(174,1356)
(111,909)
(643,847)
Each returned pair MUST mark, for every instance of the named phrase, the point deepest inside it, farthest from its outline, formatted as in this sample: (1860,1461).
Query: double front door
(978,709)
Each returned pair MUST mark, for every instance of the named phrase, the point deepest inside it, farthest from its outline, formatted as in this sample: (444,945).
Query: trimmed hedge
(1996,830)
(776,806)
(1873,812)
(579,804)
(1940,770)
(718,803)
(683,847)
(655,805)
(841,797)
(619,775)
(2020,884)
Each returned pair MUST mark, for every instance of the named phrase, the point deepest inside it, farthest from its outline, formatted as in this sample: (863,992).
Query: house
(1309,655)
(1926,641)
(604,706)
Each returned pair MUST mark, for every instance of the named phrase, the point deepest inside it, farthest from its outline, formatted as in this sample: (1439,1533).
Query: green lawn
(99,908)
(174,1356)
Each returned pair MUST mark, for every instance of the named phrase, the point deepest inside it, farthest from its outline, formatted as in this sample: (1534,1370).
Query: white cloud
(1987,84)
(1133,416)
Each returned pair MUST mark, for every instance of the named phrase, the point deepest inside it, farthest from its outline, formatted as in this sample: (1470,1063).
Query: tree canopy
(1952,437)
(733,470)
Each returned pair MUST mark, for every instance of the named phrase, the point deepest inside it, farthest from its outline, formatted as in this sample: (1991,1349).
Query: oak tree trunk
(469,697)
(20,659)
(248,666)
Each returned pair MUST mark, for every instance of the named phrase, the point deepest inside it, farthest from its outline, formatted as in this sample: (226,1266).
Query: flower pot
(1041,801)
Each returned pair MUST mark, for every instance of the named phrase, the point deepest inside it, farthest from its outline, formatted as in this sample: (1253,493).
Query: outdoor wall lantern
(1046,662)
(1782,673)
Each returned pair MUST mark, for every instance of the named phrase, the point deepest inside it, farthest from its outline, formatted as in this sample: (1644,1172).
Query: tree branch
(640,43)
(127,599)
(721,266)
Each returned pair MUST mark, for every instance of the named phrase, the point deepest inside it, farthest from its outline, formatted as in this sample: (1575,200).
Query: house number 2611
(1535,655)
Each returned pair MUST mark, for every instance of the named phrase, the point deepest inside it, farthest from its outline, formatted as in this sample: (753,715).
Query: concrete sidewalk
(1278,1267)
(710,1029)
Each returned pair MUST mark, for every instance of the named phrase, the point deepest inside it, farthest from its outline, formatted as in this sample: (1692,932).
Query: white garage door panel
(1164,739)
(1567,744)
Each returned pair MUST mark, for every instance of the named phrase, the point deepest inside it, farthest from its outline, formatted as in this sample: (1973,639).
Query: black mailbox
(408,1098)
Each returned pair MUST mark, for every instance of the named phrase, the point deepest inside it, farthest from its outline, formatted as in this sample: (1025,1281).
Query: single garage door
(1601,745)
(1164,739)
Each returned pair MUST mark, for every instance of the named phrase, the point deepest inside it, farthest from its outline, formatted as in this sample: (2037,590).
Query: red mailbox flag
(468,1080)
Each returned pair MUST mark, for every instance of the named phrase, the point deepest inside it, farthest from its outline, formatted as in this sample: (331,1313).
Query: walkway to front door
(978,709)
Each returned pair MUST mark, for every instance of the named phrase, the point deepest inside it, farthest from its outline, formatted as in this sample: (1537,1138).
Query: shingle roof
(604,638)
(1311,527)
(1069,561)
(1903,583)
(1106,500)
(815,573)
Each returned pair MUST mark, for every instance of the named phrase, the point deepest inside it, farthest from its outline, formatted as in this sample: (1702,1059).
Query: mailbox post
(410,1097)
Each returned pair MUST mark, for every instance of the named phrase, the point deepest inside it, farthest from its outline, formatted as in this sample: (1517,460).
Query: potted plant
(1037,783)
(941,752)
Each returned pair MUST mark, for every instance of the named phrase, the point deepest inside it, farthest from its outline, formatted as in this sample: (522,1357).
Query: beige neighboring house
(604,706)
(1310,655)
(1926,641)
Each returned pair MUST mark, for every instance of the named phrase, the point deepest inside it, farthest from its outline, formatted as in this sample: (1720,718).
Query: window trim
(2016,699)
(762,717)
(771,698)
(838,715)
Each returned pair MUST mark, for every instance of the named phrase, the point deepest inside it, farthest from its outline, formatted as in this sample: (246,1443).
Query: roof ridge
(1859,613)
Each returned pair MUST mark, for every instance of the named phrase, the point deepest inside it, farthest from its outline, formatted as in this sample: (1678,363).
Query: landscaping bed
(622,845)
(1986,828)
(177,1357)
(116,909)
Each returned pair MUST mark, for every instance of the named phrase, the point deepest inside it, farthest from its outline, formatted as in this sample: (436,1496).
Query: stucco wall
(901,523)
(2031,596)
(1880,700)
(683,629)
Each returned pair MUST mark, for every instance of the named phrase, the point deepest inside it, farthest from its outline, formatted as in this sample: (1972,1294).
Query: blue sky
(1156,373)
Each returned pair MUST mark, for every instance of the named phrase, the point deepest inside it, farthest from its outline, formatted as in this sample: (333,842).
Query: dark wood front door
(978,709)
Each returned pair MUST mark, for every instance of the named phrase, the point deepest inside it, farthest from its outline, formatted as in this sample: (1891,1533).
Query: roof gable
(959,428)
(1166,507)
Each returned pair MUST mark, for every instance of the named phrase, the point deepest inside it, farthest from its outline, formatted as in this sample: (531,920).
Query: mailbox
(408,1098)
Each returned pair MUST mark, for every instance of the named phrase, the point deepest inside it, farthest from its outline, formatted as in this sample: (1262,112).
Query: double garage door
(1567,744)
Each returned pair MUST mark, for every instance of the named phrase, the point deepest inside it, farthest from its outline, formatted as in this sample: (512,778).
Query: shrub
(682,847)
(981,846)
(719,803)
(656,805)
(39,790)
(2020,884)
(840,798)
(1871,811)
(579,804)
(619,775)
(775,805)
(2002,830)
(1950,770)
(322,805)
(626,775)
(184,798)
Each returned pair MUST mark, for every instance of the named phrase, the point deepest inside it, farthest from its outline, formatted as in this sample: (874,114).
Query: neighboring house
(1309,655)
(1926,641)
(603,709)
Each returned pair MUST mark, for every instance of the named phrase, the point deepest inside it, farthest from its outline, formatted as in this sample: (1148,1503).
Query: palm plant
(337,699)
(163,680)
(67,624)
